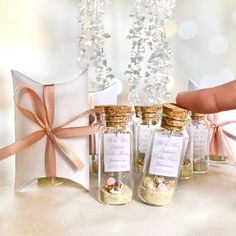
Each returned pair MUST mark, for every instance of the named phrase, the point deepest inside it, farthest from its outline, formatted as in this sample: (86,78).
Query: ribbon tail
(69,154)
(21,144)
(50,159)
(214,148)
(227,145)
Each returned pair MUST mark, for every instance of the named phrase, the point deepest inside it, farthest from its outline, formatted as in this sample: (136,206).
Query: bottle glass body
(115,176)
(162,166)
(136,121)
(187,165)
(200,146)
(142,136)
(95,144)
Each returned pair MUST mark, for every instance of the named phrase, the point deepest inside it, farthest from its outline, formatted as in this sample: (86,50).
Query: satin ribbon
(92,141)
(219,136)
(43,116)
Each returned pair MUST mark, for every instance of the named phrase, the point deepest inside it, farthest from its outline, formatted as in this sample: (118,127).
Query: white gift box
(107,96)
(70,99)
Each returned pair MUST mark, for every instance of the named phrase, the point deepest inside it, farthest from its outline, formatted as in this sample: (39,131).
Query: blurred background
(39,38)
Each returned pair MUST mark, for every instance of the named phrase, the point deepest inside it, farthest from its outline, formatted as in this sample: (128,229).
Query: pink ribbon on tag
(219,136)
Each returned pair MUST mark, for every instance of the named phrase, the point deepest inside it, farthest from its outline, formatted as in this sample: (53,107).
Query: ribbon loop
(219,136)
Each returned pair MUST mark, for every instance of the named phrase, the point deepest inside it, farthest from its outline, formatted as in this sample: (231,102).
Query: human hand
(210,100)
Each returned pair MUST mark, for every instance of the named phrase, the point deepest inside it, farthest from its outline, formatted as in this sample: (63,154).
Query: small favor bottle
(200,143)
(94,141)
(149,120)
(115,177)
(164,157)
(187,166)
(220,155)
(136,121)
(47,181)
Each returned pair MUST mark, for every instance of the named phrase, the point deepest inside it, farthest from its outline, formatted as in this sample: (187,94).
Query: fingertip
(180,97)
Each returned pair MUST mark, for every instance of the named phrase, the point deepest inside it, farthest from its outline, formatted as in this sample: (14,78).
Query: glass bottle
(200,143)
(94,141)
(137,115)
(136,120)
(115,176)
(187,165)
(46,181)
(221,155)
(163,158)
(149,120)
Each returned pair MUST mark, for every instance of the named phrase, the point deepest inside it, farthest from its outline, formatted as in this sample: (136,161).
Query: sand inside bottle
(139,160)
(155,197)
(200,166)
(122,197)
(186,169)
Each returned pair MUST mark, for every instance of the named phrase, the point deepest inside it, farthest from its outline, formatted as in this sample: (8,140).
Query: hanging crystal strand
(84,57)
(134,71)
(160,61)
(155,62)
(92,42)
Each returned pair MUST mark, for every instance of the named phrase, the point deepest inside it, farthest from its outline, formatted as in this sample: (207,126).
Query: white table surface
(202,206)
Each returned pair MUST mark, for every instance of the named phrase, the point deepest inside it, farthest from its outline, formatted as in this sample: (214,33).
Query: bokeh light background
(39,37)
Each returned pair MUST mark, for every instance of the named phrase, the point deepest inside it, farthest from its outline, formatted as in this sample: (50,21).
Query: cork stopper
(117,115)
(197,116)
(173,117)
(117,110)
(114,121)
(149,113)
(174,111)
(150,109)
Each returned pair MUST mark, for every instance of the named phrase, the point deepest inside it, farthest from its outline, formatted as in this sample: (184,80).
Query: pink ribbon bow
(219,136)
(43,116)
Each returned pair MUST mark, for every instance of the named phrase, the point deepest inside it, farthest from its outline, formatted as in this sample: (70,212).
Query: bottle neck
(149,118)
(198,119)
(116,124)
(148,122)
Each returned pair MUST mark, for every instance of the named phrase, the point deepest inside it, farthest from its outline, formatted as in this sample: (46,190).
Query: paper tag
(199,141)
(116,152)
(166,155)
(144,133)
